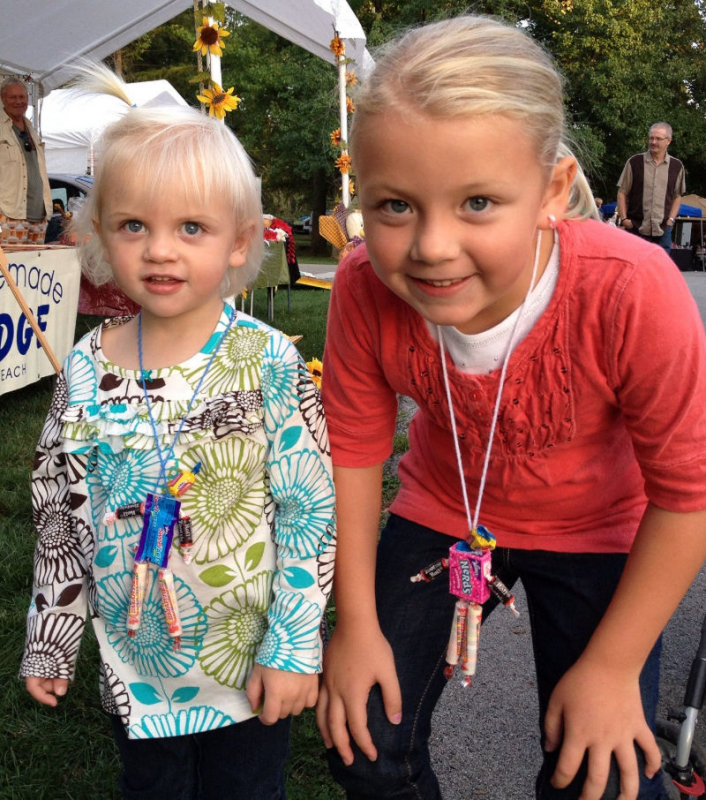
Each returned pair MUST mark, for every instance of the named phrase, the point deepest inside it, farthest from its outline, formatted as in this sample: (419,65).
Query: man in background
(650,189)
(25,195)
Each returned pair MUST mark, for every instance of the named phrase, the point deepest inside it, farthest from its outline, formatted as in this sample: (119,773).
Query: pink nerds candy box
(469,572)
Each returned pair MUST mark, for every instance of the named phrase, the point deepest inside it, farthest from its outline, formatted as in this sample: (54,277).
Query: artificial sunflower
(337,47)
(335,137)
(350,105)
(218,101)
(351,78)
(209,37)
(316,369)
(343,162)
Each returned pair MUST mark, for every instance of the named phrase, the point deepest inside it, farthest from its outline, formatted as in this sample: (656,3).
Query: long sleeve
(301,485)
(57,613)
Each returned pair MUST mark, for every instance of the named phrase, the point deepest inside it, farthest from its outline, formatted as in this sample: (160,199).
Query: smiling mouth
(442,284)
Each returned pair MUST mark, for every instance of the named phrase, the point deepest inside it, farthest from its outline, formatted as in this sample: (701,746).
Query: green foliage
(289,107)
(628,63)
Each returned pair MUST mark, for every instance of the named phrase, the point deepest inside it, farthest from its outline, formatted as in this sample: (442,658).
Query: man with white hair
(25,194)
(650,189)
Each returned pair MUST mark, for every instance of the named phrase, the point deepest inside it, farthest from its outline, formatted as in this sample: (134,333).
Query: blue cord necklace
(161,513)
(144,374)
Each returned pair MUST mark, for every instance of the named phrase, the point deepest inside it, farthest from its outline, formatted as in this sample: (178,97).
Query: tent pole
(343,110)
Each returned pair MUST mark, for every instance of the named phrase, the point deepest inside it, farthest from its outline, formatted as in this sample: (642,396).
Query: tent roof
(43,39)
(696,202)
(70,118)
(72,121)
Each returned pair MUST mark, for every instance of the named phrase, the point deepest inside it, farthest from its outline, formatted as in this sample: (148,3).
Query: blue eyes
(477,203)
(472,204)
(189,228)
(397,206)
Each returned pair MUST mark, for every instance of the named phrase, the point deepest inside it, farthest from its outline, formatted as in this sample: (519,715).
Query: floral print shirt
(261,510)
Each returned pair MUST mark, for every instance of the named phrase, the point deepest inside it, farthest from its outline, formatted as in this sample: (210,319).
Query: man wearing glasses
(650,189)
(25,195)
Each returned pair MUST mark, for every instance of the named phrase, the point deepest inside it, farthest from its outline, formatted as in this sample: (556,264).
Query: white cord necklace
(472,519)
(469,560)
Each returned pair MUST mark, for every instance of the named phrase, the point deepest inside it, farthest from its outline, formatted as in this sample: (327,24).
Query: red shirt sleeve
(360,404)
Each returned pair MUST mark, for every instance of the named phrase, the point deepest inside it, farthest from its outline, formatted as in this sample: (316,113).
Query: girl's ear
(241,245)
(556,195)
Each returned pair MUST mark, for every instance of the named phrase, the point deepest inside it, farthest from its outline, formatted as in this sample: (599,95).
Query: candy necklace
(469,561)
(161,512)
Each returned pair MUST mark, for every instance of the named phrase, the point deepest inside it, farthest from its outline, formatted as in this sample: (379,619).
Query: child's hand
(597,710)
(352,666)
(47,690)
(284,693)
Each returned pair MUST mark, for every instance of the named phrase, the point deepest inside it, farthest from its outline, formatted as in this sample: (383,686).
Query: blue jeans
(240,762)
(567,595)
(664,240)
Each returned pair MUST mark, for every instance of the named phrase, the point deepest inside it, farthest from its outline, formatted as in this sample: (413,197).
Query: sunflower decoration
(316,370)
(209,38)
(335,137)
(337,47)
(343,162)
(218,100)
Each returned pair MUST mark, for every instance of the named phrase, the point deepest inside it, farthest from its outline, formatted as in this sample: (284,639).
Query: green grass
(68,753)
(304,254)
(306,318)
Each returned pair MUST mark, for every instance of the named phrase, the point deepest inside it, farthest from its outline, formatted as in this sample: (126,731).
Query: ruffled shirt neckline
(134,374)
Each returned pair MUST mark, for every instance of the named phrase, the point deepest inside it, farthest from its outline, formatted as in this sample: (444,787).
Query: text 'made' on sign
(49,281)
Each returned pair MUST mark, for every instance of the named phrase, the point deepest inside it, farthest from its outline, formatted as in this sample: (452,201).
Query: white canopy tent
(72,122)
(42,38)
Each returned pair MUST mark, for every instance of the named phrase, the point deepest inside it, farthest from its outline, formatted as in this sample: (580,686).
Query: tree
(289,108)
(627,63)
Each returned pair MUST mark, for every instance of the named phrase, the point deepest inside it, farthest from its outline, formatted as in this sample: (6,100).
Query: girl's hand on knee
(47,690)
(352,666)
(596,711)
(280,693)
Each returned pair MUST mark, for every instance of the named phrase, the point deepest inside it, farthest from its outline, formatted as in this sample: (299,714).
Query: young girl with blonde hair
(182,489)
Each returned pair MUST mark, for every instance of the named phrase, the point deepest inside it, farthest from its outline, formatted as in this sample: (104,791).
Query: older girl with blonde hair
(559,367)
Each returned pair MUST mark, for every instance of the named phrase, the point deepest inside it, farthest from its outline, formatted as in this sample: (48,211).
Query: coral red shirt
(604,405)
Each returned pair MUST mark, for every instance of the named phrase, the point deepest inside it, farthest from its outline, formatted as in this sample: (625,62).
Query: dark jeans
(239,762)
(664,240)
(566,594)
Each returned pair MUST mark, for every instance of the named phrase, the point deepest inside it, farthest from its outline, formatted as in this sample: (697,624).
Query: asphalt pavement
(485,740)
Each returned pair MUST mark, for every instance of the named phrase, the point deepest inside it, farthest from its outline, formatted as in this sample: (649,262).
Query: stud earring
(552,221)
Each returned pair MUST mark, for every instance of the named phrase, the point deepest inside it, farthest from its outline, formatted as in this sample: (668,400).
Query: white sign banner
(49,280)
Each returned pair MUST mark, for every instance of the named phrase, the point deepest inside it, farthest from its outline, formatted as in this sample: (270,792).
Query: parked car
(302,225)
(70,190)
(67,187)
